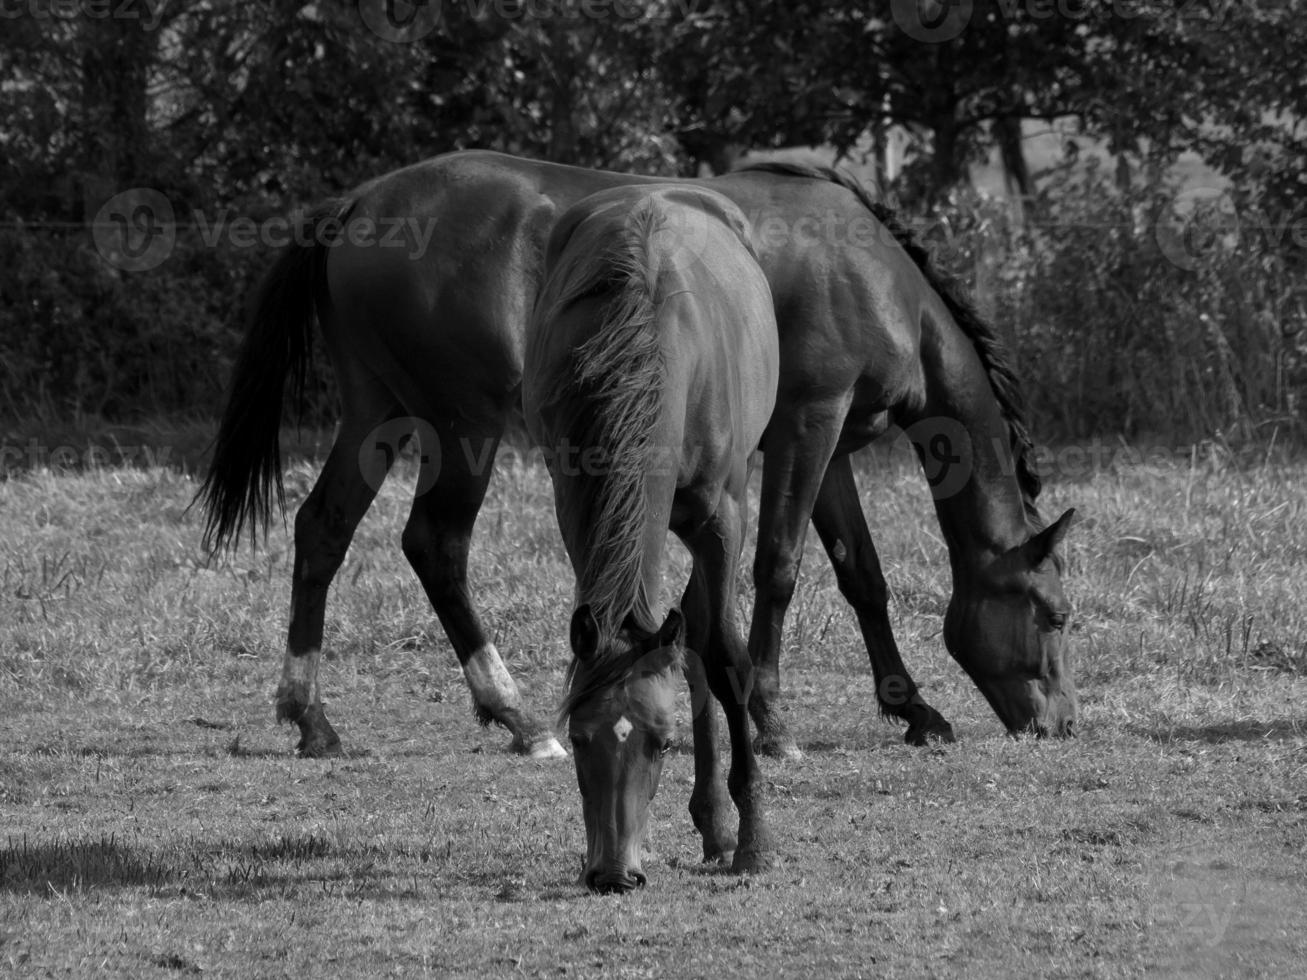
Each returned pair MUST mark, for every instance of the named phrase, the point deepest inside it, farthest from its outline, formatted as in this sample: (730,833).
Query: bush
(79,337)
(1126,318)
(1152,314)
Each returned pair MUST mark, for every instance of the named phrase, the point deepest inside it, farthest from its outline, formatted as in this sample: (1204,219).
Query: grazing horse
(422,281)
(650,374)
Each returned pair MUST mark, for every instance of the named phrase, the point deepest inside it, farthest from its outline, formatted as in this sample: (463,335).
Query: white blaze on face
(622,729)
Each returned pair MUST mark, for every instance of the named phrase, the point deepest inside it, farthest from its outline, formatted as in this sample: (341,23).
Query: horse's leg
(708,801)
(796,449)
(716,548)
(324,526)
(837,516)
(437,539)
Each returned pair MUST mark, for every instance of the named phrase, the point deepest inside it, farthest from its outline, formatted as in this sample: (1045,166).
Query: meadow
(155,822)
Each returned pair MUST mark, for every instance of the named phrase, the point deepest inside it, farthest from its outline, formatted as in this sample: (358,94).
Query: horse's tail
(245,473)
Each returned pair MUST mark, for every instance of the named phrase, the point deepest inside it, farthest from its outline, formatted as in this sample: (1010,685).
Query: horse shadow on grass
(1273,730)
(234,870)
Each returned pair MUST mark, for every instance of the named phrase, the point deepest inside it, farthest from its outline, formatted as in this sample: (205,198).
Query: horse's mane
(993,354)
(609,395)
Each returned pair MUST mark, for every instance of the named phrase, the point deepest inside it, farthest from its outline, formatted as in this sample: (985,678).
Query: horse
(428,331)
(650,374)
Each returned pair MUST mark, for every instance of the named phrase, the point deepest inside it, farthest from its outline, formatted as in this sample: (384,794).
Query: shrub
(1152,314)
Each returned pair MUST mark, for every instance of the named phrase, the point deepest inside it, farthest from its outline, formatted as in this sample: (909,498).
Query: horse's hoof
(781,747)
(319,748)
(752,862)
(542,749)
(934,730)
(721,859)
(719,849)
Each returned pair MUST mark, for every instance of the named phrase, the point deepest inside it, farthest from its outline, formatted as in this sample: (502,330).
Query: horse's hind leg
(437,539)
(837,516)
(796,449)
(324,526)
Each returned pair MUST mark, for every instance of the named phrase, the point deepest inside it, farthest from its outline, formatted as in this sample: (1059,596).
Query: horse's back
(850,301)
(433,278)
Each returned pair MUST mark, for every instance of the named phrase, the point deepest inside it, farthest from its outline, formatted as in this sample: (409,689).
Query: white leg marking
(490,681)
(299,675)
(493,687)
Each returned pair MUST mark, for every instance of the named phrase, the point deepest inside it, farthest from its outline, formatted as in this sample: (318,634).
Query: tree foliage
(259,108)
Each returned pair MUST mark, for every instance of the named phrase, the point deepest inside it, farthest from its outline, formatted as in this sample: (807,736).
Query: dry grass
(154,822)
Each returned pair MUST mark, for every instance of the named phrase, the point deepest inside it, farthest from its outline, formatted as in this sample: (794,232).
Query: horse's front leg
(709,803)
(796,448)
(729,671)
(840,524)
(437,540)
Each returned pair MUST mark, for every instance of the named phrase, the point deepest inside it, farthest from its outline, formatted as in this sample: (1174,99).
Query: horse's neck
(965,443)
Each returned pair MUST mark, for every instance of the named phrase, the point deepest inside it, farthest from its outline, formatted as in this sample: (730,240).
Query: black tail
(246,468)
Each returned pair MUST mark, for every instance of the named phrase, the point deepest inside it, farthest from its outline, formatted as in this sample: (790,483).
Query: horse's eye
(1057,621)
(665,747)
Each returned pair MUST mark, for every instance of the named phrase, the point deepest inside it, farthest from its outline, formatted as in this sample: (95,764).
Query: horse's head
(620,718)
(1006,626)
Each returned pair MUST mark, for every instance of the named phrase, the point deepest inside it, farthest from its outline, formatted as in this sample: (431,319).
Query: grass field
(153,821)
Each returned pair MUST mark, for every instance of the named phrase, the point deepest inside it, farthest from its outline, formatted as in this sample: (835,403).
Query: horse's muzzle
(614,882)
(1063,726)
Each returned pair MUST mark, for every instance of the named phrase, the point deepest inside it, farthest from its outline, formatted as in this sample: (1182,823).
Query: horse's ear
(584,632)
(1041,546)
(672,632)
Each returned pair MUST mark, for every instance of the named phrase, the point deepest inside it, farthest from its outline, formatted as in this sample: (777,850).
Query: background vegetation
(1141,303)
